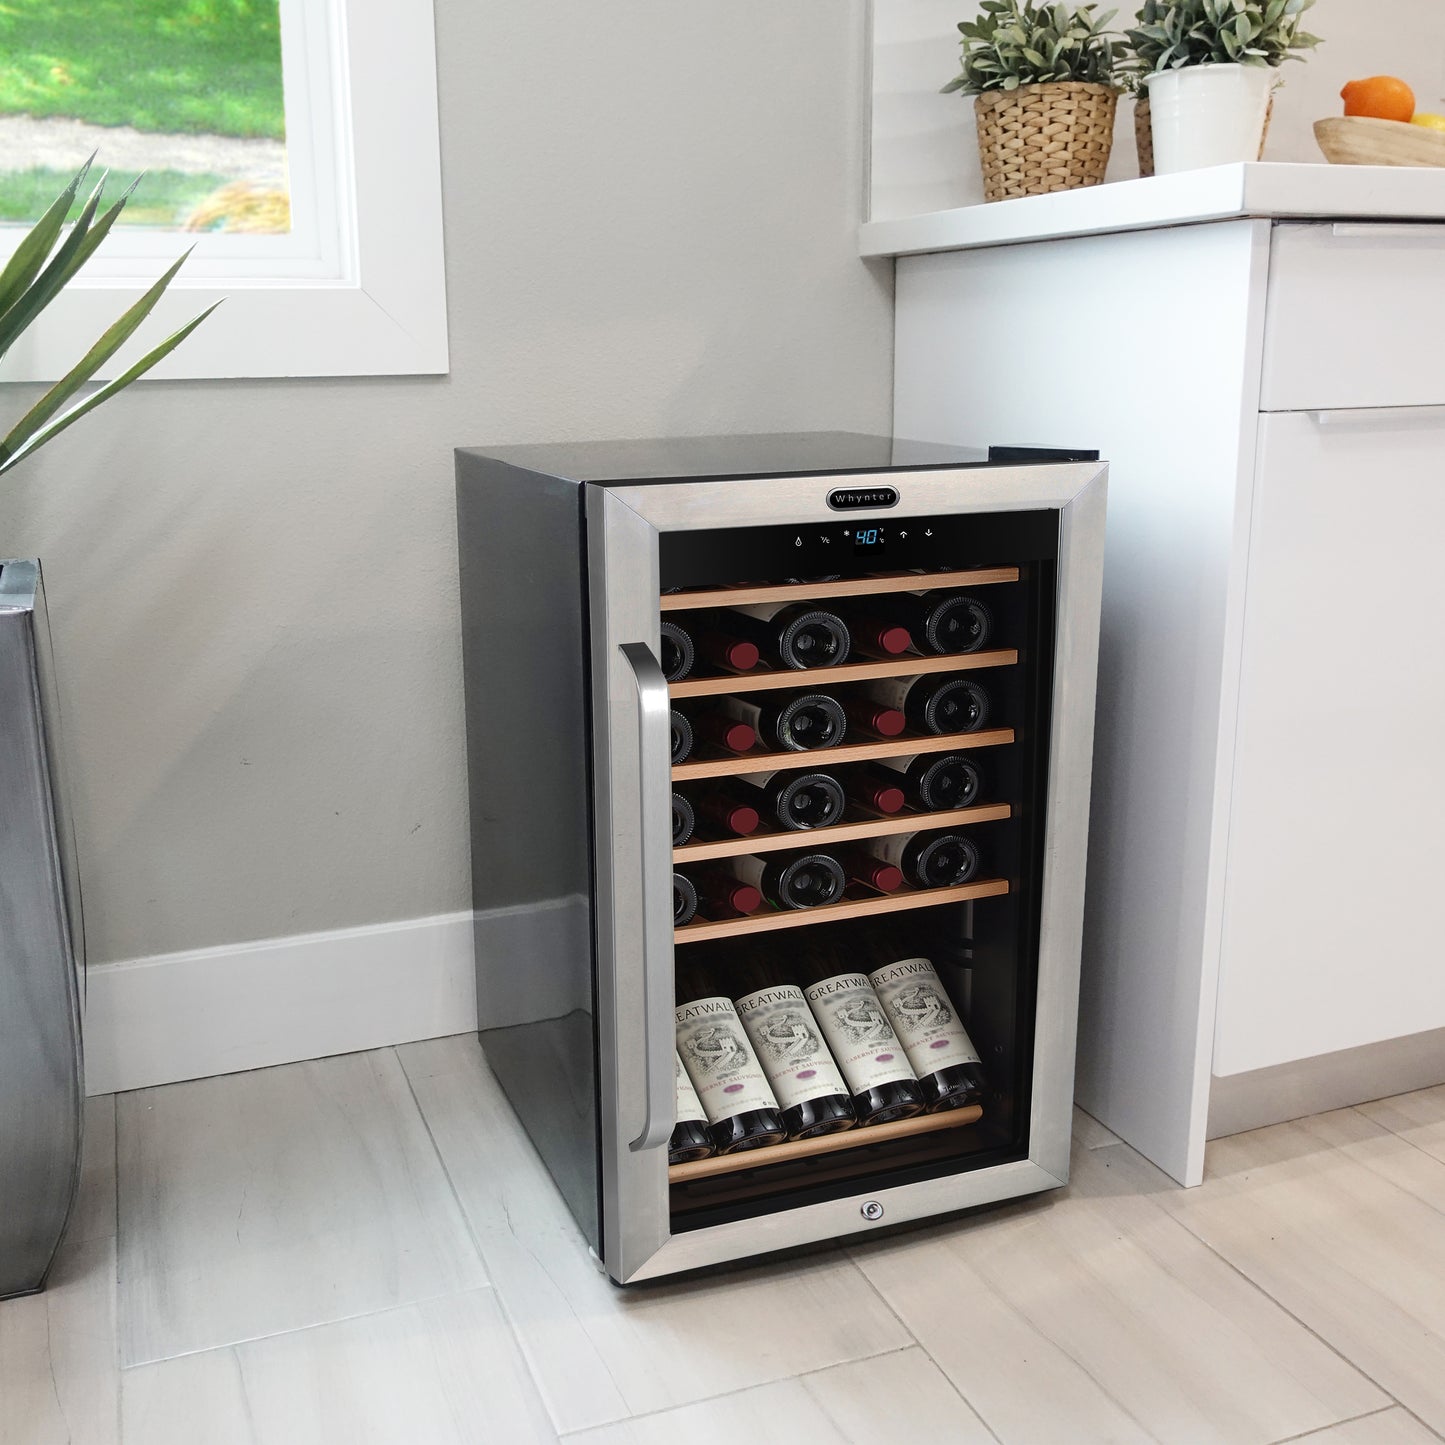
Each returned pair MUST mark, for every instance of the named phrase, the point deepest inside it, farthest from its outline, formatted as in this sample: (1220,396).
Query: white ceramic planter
(1208,115)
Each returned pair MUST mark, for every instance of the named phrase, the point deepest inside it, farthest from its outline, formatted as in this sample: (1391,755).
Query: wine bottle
(937,781)
(873,718)
(928,860)
(684,900)
(724,815)
(716,725)
(939,622)
(934,704)
(858,1034)
(683,820)
(720,895)
(927,1024)
(725,650)
(801,880)
(677,652)
(874,633)
(741,1111)
(862,867)
(690,1138)
(872,793)
(793,724)
(791,800)
(805,1080)
(681,736)
(791,634)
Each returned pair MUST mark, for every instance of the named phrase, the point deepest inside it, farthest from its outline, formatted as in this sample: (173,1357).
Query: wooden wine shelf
(842,833)
(821,591)
(812,678)
(828,758)
(702,932)
(827,1144)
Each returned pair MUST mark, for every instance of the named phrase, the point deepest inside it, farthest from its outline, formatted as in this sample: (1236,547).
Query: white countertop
(1268,189)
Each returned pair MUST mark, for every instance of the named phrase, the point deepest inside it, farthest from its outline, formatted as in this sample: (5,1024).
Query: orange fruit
(1385,97)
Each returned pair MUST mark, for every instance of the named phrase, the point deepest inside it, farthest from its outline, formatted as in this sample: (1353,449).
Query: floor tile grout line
(739,1390)
(1336,1424)
(1305,1325)
(507,1317)
(1395,1133)
(888,1305)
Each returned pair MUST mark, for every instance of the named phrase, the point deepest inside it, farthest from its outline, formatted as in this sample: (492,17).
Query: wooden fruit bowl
(1360,140)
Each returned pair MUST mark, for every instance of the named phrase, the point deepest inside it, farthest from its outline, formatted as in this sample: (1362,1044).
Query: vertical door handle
(654,745)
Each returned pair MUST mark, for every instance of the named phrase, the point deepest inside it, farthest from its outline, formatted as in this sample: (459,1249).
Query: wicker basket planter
(1040,138)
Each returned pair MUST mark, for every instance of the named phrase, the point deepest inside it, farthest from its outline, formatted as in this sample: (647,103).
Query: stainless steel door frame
(624,522)
(40,1058)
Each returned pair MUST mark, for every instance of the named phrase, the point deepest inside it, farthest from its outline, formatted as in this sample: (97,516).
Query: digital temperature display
(867,541)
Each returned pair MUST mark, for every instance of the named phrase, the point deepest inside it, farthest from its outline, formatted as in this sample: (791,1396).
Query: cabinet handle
(1378,415)
(1410,230)
(654,746)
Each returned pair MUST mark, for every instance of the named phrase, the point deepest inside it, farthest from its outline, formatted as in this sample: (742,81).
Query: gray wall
(650,218)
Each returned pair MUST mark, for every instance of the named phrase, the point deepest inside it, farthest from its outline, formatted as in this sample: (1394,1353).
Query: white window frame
(357,288)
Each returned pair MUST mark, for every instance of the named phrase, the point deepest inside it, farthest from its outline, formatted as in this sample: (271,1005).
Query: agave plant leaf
(77,249)
(110,342)
(30,254)
(101,394)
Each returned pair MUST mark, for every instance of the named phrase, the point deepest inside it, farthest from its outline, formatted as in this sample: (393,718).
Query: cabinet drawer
(1355,316)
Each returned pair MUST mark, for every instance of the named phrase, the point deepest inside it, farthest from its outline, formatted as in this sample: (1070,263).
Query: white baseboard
(247,1006)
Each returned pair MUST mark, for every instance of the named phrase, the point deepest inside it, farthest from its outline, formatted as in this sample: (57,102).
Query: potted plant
(1044,80)
(40,936)
(1211,67)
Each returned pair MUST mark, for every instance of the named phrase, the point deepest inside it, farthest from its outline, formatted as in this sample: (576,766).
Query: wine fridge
(779,753)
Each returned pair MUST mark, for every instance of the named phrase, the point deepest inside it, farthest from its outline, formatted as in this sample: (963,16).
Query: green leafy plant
(34,277)
(1171,34)
(1019,42)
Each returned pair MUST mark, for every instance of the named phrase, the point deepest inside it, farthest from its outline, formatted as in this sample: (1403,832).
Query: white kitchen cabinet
(1265,374)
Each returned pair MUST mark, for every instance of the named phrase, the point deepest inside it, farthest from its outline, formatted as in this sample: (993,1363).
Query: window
(323,229)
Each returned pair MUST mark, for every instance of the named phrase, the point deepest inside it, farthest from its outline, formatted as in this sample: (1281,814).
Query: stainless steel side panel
(40,1070)
(624,523)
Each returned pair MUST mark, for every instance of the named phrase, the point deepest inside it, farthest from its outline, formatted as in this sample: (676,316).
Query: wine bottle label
(793,1054)
(898,765)
(858,1032)
(742,710)
(749,869)
(890,691)
(890,849)
(918,1007)
(758,780)
(764,612)
(720,1061)
(689,1107)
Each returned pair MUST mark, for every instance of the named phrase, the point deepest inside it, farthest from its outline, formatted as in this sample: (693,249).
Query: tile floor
(365,1250)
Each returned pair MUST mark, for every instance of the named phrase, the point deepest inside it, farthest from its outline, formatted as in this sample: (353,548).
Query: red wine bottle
(718,727)
(677,652)
(939,622)
(690,1138)
(875,794)
(874,633)
(742,1112)
(934,704)
(874,719)
(926,1021)
(791,634)
(928,860)
(859,1036)
(862,867)
(681,736)
(684,900)
(937,781)
(799,880)
(795,724)
(720,895)
(725,650)
(723,815)
(811,1093)
(791,800)
(683,820)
